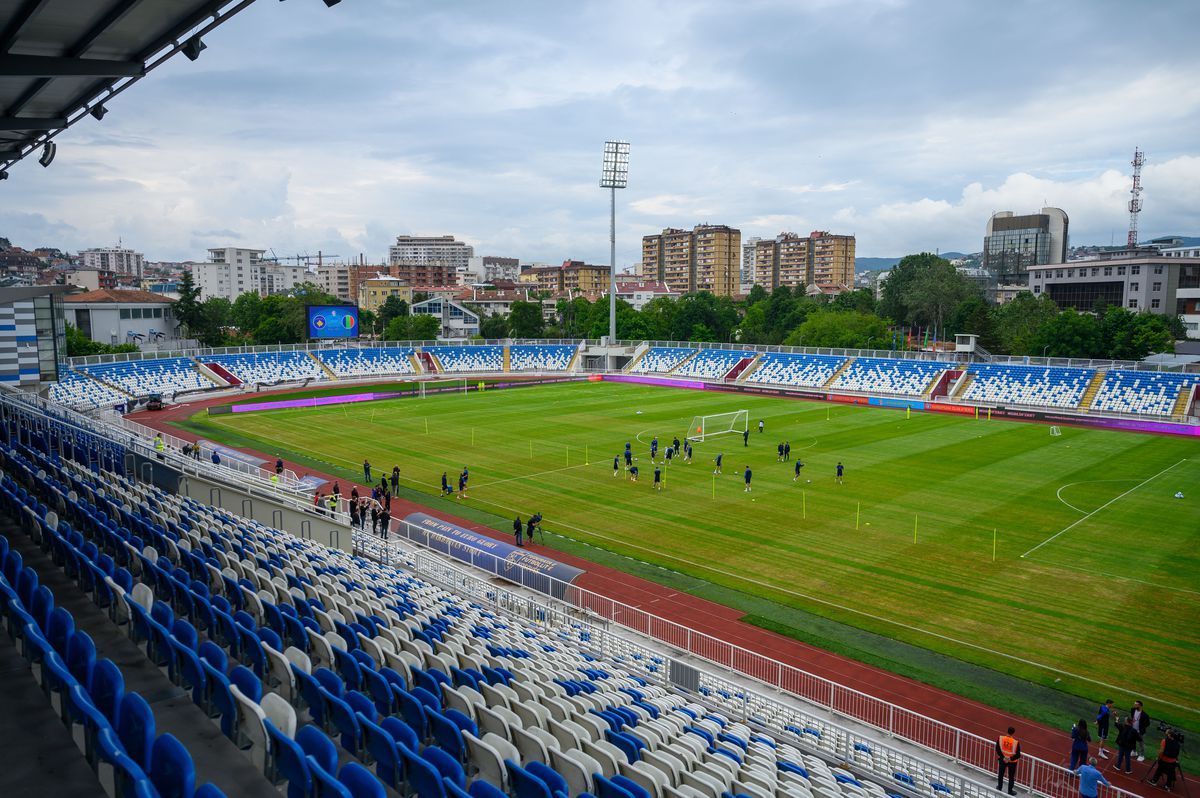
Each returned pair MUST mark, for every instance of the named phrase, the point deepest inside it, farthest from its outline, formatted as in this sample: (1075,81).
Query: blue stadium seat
(171,768)
(360,782)
(135,728)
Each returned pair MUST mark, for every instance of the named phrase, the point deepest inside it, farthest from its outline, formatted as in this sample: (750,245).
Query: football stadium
(799,630)
(509,567)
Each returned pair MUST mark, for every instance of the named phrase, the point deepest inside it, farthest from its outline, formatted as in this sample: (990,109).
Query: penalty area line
(1069,527)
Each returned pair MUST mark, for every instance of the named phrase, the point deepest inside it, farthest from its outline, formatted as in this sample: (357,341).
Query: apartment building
(706,258)
(820,260)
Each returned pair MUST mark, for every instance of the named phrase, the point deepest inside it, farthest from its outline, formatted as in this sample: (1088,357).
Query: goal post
(718,424)
(425,387)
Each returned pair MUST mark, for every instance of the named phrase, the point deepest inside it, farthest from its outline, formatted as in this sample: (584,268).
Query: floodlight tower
(1135,200)
(614,175)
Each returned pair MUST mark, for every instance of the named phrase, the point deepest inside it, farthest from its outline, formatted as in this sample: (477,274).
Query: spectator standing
(337,489)
(1127,738)
(530,525)
(353,514)
(1090,778)
(1080,737)
(1103,718)
(385,522)
(366,471)
(1008,753)
(278,465)
(1141,723)
(517,527)
(395,478)
(216,458)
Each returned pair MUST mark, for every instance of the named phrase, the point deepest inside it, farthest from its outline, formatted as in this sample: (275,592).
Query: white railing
(600,614)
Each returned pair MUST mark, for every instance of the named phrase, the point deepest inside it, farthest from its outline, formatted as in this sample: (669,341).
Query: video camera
(1172,732)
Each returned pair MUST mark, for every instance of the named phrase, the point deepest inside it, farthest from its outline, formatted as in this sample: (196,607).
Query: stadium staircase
(737,373)
(684,362)
(220,371)
(416,363)
(941,384)
(637,358)
(1183,402)
(429,363)
(208,374)
(330,373)
(750,369)
(834,376)
(506,367)
(1093,388)
(575,358)
(964,382)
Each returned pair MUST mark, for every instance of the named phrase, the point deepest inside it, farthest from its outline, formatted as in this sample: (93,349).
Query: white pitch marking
(1101,507)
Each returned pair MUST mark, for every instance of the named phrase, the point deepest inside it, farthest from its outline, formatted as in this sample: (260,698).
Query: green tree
(1070,334)
(493,327)
(79,344)
(757,294)
(392,307)
(659,316)
(525,319)
(975,316)
(1018,322)
(841,329)
(893,297)
(424,327)
(216,314)
(934,293)
(752,329)
(397,329)
(861,300)
(246,311)
(187,308)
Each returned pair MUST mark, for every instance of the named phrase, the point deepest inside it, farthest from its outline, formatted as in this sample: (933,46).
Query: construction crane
(1135,200)
(306,259)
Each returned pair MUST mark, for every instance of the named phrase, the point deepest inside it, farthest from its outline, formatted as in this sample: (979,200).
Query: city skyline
(303,128)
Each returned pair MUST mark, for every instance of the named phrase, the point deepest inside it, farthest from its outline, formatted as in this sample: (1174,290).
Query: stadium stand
(1151,393)
(550,357)
(306,657)
(165,375)
(77,391)
(882,375)
(468,358)
(661,359)
(713,364)
(368,360)
(270,367)
(1042,386)
(779,368)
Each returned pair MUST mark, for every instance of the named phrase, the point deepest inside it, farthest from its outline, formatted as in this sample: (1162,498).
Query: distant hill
(874,264)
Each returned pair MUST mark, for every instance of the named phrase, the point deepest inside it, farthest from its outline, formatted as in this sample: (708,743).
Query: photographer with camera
(1168,758)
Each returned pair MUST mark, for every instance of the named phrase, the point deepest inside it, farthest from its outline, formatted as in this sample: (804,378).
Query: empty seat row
(781,368)
(468,358)
(1152,393)
(887,376)
(661,359)
(712,364)
(368,360)
(267,368)
(533,357)
(167,375)
(1043,386)
(77,391)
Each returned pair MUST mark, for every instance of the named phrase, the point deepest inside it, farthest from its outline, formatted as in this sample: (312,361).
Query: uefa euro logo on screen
(332,321)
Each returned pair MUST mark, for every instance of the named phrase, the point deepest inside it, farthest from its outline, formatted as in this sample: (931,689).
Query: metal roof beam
(31,123)
(25,13)
(45,66)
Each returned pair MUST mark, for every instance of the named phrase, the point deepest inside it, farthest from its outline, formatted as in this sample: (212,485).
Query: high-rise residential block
(706,258)
(820,260)
(1011,244)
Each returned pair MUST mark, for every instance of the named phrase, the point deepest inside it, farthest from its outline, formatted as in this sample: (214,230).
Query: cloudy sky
(905,123)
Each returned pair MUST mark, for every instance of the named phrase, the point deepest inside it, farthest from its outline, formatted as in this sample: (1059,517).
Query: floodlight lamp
(193,47)
(98,112)
(48,153)
(3,174)
(331,3)
(615,170)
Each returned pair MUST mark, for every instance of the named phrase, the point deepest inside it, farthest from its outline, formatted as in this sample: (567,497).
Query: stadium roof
(61,60)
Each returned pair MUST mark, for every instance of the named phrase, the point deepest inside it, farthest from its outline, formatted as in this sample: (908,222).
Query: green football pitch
(1062,560)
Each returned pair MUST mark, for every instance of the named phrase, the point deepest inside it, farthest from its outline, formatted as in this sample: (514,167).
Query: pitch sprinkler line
(1098,509)
(1058,493)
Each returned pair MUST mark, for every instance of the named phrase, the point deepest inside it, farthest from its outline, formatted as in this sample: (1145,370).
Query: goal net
(1055,432)
(718,424)
(426,387)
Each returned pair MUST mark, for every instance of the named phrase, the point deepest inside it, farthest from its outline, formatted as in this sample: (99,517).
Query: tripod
(1155,768)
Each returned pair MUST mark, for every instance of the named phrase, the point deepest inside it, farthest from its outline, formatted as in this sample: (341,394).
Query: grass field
(1094,589)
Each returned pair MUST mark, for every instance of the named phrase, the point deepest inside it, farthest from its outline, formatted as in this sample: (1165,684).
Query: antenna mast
(1135,200)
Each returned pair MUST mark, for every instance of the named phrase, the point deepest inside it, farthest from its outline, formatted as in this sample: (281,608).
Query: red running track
(725,624)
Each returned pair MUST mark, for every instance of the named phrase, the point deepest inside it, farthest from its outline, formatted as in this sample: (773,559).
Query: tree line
(923,298)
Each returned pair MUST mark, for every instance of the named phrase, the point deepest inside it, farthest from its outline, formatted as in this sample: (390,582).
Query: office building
(114,259)
(1140,279)
(33,335)
(1013,244)
(706,258)
(820,262)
